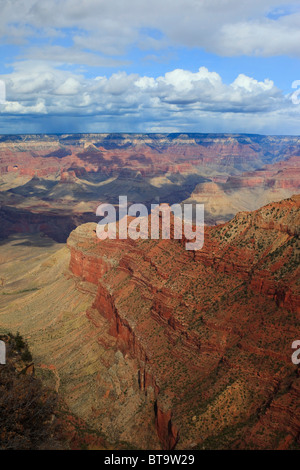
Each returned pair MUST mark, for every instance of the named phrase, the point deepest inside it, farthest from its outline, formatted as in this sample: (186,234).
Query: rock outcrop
(212,330)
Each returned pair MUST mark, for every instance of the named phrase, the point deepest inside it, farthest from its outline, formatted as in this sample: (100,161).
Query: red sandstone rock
(212,330)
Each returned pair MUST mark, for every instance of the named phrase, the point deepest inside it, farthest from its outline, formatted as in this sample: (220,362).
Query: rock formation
(55,183)
(212,330)
(150,345)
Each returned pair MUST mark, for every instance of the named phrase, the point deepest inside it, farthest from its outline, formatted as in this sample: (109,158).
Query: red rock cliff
(212,330)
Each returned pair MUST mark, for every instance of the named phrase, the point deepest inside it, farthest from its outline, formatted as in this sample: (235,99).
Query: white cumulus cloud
(179,99)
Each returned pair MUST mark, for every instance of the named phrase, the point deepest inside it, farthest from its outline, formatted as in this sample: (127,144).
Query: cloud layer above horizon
(89,66)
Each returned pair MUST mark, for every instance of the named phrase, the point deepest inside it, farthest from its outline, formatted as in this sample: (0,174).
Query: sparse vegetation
(27,409)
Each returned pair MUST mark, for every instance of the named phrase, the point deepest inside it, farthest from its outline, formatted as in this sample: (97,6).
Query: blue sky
(159,66)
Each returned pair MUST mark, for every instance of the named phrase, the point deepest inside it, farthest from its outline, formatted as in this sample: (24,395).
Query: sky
(73,66)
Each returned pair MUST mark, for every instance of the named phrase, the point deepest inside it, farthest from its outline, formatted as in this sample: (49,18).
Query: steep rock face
(211,330)
(166,430)
(74,354)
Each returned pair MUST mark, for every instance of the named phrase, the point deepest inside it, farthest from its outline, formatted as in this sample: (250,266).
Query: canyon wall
(212,330)
(54,183)
(154,154)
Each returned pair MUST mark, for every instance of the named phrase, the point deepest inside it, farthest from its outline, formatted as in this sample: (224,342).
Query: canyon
(157,347)
(212,330)
(55,183)
(151,346)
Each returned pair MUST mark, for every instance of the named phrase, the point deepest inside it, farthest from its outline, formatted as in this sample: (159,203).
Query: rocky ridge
(211,331)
